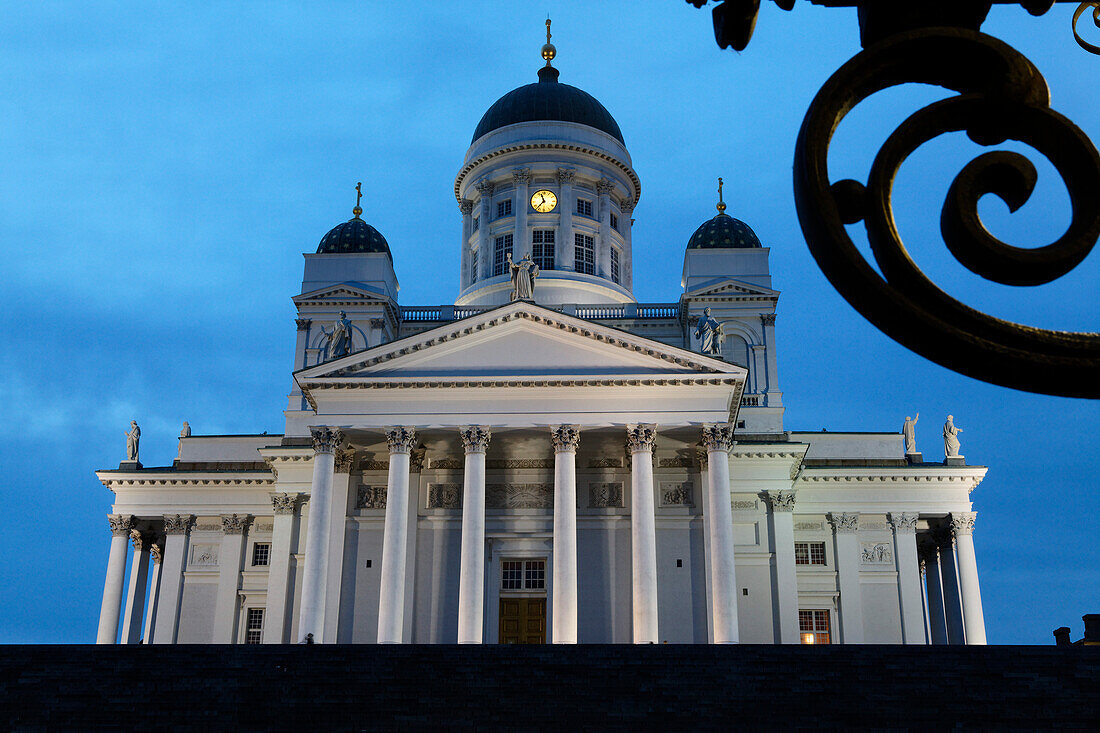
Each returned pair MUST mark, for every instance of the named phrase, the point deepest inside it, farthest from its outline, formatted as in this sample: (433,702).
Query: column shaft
(312,605)
(937,623)
(603,198)
(156,555)
(908,567)
(845,528)
(391,595)
(973,618)
(952,603)
(565,439)
(723,596)
(166,628)
(337,538)
(283,534)
(643,534)
(521,243)
(471,581)
(112,585)
(135,593)
(565,252)
(230,560)
(786,577)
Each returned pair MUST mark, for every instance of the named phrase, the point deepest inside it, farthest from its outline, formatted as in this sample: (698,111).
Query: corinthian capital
(903,523)
(718,437)
(157,553)
(344,460)
(962,523)
(325,439)
(401,440)
(846,523)
(284,503)
(641,437)
(177,523)
(565,438)
(781,501)
(475,438)
(521,176)
(235,523)
(604,186)
(121,524)
(466,206)
(137,539)
(566,175)
(484,187)
(302,323)
(627,207)
(768,319)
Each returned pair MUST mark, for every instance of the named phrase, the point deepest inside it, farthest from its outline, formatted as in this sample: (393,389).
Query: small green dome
(354,236)
(723,231)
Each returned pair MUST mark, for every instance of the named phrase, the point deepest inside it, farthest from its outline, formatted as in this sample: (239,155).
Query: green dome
(723,231)
(354,236)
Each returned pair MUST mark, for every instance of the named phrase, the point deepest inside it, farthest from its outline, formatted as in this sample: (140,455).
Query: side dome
(723,231)
(548,100)
(354,236)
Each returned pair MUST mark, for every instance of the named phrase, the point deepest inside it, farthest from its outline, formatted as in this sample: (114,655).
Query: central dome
(548,100)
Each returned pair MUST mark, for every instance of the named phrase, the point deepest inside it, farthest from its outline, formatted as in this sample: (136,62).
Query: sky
(164,165)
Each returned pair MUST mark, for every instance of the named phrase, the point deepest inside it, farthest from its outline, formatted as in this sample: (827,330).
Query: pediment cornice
(733,289)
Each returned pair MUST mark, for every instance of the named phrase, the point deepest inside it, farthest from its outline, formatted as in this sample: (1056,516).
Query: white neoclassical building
(546,459)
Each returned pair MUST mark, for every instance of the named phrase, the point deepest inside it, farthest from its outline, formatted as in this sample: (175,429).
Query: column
(937,624)
(135,593)
(564,246)
(962,526)
(718,439)
(908,566)
(565,439)
(625,227)
(116,573)
(640,441)
(230,559)
(846,541)
(284,531)
(156,554)
(522,241)
(952,605)
(391,594)
(295,401)
(312,605)
(485,246)
(786,579)
(466,206)
(337,537)
(471,581)
(603,203)
(166,628)
(773,397)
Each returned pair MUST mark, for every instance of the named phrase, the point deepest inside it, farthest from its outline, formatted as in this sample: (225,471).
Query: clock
(543,201)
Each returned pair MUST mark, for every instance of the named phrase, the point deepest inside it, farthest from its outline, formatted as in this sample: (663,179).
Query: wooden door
(522,621)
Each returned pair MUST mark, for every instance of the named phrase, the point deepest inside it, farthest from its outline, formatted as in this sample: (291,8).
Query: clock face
(543,201)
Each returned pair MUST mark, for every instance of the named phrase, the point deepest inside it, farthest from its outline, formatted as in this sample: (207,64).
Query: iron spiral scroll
(1000,96)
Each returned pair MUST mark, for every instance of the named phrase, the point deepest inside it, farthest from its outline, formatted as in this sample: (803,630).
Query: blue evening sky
(164,165)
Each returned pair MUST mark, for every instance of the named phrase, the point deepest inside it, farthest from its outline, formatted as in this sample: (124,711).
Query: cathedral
(544,460)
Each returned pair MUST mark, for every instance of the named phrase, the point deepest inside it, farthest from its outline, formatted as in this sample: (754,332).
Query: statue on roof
(133,437)
(524,273)
(909,431)
(951,438)
(339,341)
(710,334)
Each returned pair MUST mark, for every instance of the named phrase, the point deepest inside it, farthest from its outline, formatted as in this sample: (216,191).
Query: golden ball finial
(548,50)
(721,204)
(358,197)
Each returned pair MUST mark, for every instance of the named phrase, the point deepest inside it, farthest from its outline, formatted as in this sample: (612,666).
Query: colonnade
(950,569)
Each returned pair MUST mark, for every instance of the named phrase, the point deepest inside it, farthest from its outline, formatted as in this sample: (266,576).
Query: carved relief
(745,505)
(876,553)
(372,465)
(120,524)
(446,463)
(781,501)
(641,437)
(370,497)
(844,523)
(677,462)
(521,463)
(416,459)
(718,437)
(605,463)
(809,526)
(962,523)
(204,555)
(565,437)
(605,495)
(444,496)
(475,438)
(903,523)
(177,523)
(378,323)
(235,523)
(325,439)
(519,496)
(401,440)
(284,503)
(676,493)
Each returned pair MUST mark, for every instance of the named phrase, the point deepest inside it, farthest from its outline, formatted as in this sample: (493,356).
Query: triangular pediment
(515,342)
(732,287)
(339,293)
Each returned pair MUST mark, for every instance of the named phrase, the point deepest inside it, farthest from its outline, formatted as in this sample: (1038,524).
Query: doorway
(522,602)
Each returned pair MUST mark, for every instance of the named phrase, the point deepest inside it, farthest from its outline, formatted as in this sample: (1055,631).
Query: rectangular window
(542,248)
(261,553)
(813,626)
(523,575)
(584,255)
(504,208)
(477,224)
(473,266)
(809,553)
(502,247)
(584,207)
(614,222)
(615,265)
(254,626)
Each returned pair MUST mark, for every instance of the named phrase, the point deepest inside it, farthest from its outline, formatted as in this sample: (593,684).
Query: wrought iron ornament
(1000,96)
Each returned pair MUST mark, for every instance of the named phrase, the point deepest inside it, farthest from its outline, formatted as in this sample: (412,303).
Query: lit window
(254,627)
(809,553)
(477,223)
(523,575)
(615,265)
(813,626)
(584,255)
(542,248)
(502,247)
(584,207)
(614,222)
(261,553)
(473,266)
(504,208)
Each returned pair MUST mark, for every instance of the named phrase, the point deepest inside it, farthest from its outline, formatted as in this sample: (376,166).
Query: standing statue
(909,430)
(185,432)
(339,341)
(523,277)
(133,436)
(710,333)
(950,438)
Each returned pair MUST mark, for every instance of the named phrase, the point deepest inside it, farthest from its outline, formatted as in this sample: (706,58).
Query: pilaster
(603,197)
(284,533)
(176,530)
(485,246)
(846,540)
(521,177)
(566,204)
(230,561)
(786,577)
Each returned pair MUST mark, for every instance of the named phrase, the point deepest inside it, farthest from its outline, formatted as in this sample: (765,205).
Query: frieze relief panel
(606,463)
(444,496)
(677,493)
(204,556)
(370,497)
(521,463)
(809,526)
(519,496)
(876,553)
(458,463)
(744,502)
(605,495)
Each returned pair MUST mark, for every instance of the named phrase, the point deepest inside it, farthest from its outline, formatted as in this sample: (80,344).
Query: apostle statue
(185,432)
(133,436)
(951,438)
(909,431)
(339,341)
(523,277)
(710,334)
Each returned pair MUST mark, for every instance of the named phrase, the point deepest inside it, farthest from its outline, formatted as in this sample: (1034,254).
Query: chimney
(1092,628)
(1061,636)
